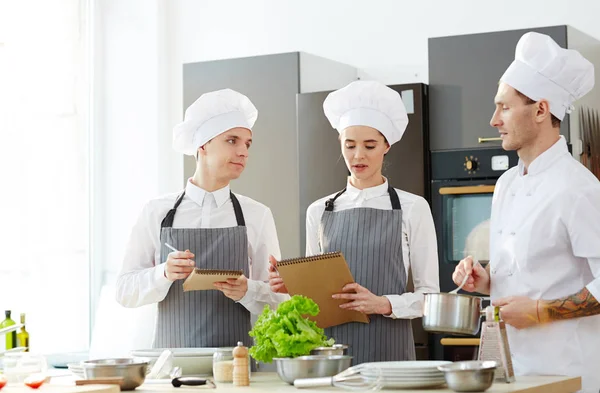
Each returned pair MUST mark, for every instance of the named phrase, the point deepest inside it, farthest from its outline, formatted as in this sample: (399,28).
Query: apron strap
(237,208)
(167,222)
(329,204)
(394,198)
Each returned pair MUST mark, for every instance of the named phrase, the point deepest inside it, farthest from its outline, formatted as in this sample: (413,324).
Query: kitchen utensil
(469,376)
(191,361)
(464,281)
(132,370)
(452,313)
(162,366)
(290,369)
(335,349)
(171,247)
(191,381)
(349,379)
(494,347)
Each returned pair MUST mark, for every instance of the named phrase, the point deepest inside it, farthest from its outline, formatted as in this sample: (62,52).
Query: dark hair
(529,101)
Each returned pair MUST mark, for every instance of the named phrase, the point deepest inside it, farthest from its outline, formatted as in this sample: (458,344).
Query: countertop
(269,382)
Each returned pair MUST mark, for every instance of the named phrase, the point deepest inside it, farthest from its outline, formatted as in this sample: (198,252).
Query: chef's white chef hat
(210,115)
(367,103)
(544,70)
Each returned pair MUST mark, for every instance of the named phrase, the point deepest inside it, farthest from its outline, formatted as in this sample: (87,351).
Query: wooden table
(269,382)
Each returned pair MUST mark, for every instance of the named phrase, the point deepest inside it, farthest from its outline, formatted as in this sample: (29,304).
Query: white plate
(408,385)
(413,365)
(403,377)
(177,352)
(416,379)
(386,373)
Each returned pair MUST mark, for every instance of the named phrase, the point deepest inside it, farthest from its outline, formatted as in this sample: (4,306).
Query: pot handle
(491,313)
(313,382)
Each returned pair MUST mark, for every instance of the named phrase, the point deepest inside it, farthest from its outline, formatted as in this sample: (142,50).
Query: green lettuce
(285,332)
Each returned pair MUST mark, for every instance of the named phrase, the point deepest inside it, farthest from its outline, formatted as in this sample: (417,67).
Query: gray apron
(197,319)
(371,241)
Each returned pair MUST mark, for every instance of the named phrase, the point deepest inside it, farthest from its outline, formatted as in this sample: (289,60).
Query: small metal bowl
(313,366)
(335,349)
(470,375)
(133,371)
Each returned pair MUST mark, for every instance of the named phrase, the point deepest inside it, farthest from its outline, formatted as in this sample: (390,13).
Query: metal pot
(335,349)
(314,366)
(452,313)
(133,371)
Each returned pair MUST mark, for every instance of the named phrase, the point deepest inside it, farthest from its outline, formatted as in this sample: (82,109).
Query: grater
(494,344)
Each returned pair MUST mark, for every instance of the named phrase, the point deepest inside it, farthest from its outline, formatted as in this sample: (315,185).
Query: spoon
(464,281)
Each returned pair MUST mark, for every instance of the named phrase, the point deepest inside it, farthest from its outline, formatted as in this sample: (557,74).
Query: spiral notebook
(203,279)
(318,277)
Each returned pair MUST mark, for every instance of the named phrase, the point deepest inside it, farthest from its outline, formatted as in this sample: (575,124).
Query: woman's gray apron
(371,241)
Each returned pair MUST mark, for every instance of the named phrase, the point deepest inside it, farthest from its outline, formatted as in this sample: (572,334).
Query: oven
(462,188)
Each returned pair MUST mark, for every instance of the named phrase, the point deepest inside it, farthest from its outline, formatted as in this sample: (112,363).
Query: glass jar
(223,365)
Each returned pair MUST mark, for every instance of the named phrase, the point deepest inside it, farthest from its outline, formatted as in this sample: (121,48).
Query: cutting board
(55,388)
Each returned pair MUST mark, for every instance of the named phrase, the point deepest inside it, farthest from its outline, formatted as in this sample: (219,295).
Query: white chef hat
(210,115)
(367,103)
(544,70)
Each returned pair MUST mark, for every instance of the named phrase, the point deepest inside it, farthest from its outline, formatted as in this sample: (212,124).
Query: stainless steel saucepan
(455,313)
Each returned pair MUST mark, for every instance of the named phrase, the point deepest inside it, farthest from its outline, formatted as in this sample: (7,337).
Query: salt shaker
(241,375)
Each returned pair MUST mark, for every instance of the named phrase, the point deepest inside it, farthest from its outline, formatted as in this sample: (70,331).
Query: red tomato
(34,381)
(2,381)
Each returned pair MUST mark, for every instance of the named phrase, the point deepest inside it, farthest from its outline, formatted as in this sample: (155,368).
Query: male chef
(544,269)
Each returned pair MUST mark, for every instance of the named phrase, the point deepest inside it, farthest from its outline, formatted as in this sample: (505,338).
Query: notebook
(203,279)
(318,277)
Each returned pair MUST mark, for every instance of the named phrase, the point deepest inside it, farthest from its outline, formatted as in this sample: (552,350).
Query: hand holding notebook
(319,277)
(204,279)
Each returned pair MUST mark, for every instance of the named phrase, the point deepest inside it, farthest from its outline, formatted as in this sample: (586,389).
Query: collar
(199,195)
(367,193)
(545,160)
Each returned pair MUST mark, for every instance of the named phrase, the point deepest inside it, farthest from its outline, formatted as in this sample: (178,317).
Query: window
(44,198)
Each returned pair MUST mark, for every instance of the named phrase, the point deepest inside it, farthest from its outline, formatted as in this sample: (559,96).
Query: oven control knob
(471,164)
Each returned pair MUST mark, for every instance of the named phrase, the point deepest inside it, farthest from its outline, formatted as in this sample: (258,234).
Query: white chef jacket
(545,244)
(419,242)
(142,279)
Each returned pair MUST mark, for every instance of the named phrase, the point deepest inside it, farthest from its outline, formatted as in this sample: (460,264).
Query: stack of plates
(407,374)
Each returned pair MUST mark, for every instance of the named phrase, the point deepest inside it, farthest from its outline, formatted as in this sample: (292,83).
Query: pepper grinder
(241,375)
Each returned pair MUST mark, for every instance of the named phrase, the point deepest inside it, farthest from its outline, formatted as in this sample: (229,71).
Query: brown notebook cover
(203,279)
(318,277)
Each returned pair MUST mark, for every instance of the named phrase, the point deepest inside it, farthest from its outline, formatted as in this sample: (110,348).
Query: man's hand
(520,312)
(179,265)
(234,288)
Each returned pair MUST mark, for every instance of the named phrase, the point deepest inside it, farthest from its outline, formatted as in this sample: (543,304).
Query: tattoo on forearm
(581,304)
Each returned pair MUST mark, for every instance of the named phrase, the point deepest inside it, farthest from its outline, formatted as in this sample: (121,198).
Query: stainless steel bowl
(335,349)
(313,366)
(470,375)
(452,313)
(132,370)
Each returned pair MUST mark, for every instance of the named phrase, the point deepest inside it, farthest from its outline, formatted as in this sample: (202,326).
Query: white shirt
(419,242)
(545,244)
(142,279)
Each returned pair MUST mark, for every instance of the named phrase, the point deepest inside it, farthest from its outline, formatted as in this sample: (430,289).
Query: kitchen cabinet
(463,78)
